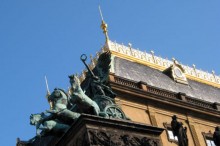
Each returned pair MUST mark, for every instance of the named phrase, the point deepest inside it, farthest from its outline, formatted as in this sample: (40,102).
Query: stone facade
(150,105)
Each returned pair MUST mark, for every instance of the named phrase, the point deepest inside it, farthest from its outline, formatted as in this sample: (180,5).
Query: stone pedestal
(91,130)
(97,131)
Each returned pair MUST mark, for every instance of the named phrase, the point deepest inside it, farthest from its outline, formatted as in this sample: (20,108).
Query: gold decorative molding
(149,59)
(177,72)
(104,26)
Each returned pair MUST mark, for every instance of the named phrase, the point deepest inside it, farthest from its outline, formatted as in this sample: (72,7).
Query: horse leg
(88,102)
(55,126)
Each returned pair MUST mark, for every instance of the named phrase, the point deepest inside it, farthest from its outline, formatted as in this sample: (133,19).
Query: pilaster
(192,125)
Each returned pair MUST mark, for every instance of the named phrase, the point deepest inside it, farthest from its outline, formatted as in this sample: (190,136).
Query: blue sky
(47,37)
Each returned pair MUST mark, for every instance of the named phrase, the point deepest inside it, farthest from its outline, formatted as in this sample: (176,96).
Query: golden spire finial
(104,26)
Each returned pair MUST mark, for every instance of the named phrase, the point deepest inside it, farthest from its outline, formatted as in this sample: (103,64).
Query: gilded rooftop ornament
(104,26)
(151,60)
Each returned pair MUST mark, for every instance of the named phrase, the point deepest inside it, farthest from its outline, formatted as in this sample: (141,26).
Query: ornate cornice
(149,59)
(123,84)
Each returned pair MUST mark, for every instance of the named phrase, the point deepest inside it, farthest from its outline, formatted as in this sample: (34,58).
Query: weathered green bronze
(56,119)
(97,87)
(93,96)
(97,80)
(80,99)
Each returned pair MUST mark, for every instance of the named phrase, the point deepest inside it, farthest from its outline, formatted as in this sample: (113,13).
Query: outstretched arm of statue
(52,111)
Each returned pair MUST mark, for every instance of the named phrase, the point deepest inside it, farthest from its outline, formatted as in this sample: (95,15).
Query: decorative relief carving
(177,72)
(102,139)
(106,138)
(135,141)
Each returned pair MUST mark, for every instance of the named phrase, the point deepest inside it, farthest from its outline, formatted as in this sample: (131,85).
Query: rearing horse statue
(80,99)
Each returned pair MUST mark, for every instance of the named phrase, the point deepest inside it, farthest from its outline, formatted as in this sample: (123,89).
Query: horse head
(75,83)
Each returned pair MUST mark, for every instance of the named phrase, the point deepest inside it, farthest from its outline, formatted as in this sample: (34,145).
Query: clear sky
(47,37)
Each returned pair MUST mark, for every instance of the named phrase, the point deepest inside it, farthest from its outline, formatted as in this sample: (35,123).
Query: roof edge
(159,63)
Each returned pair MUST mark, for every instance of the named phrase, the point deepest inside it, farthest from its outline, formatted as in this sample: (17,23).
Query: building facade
(151,90)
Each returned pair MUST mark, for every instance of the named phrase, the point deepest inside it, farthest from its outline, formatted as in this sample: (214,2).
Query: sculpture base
(97,131)
(91,130)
